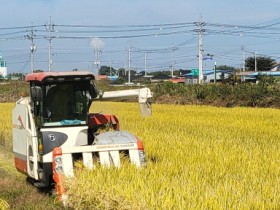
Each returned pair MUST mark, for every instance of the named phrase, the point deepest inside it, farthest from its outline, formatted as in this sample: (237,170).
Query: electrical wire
(268,30)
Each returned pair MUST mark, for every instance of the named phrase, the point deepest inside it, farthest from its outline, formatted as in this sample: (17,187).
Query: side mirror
(36,93)
(93,91)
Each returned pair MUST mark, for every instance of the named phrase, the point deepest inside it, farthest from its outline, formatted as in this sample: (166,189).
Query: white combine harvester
(53,128)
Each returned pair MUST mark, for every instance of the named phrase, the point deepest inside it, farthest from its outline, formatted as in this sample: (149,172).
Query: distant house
(105,77)
(208,76)
(183,72)
(101,77)
(112,78)
(178,80)
(276,67)
(252,75)
(245,76)
(160,78)
(3,67)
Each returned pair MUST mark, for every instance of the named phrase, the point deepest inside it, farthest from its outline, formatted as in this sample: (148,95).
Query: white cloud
(97,43)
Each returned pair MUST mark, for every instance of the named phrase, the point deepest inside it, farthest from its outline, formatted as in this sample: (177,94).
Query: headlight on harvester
(58,164)
(58,160)
(59,169)
(142,156)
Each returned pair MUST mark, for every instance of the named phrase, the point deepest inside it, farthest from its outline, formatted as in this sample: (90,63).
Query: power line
(128,26)
(20,27)
(267,30)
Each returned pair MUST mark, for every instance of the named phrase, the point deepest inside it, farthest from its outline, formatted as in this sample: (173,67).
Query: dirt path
(15,192)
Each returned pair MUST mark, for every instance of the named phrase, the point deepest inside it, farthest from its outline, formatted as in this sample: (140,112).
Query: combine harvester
(53,128)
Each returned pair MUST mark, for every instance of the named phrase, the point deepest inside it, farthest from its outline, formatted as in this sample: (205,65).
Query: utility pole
(129,63)
(125,67)
(200,50)
(215,73)
(243,62)
(111,68)
(32,49)
(50,29)
(172,60)
(256,63)
(145,64)
(97,59)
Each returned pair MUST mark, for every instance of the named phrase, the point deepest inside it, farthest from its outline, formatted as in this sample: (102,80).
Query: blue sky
(223,37)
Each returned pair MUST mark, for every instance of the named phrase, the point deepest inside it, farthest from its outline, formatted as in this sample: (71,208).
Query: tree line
(259,63)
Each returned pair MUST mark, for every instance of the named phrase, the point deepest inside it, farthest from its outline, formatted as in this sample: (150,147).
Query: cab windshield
(66,103)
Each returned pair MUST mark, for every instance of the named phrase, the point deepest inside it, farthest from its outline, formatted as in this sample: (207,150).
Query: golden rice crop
(198,157)
(3,204)
(6,124)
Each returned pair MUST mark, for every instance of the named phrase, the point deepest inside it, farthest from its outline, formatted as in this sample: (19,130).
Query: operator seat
(60,102)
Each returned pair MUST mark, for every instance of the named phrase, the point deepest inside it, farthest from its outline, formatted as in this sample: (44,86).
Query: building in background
(209,76)
(3,67)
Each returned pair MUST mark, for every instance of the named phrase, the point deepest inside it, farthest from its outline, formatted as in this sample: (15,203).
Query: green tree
(263,63)
(121,71)
(107,70)
(225,67)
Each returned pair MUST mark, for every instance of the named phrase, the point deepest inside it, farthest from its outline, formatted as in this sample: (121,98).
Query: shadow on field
(153,159)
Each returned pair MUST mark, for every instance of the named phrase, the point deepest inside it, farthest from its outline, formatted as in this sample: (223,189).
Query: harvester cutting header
(53,127)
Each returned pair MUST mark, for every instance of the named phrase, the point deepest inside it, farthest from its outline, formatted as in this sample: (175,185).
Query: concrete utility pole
(172,60)
(256,63)
(110,68)
(50,29)
(200,50)
(97,59)
(215,73)
(145,64)
(32,49)
(243,62)
(129,63)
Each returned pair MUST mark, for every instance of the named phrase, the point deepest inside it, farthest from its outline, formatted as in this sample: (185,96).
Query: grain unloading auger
(53,127)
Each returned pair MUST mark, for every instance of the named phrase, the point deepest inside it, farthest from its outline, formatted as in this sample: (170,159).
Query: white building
(3,67)
(208,76)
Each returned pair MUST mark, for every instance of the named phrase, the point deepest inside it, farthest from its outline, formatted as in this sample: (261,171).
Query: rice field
(198,157)
(6,125)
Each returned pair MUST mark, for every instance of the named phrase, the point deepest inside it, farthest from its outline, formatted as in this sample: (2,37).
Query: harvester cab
(53,127)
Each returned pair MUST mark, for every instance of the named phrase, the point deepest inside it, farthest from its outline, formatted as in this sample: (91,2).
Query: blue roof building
(252,75)
(208,75)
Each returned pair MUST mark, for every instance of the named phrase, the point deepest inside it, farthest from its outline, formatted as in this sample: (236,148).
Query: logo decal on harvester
(21,122)
(51,137)
(21,126)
